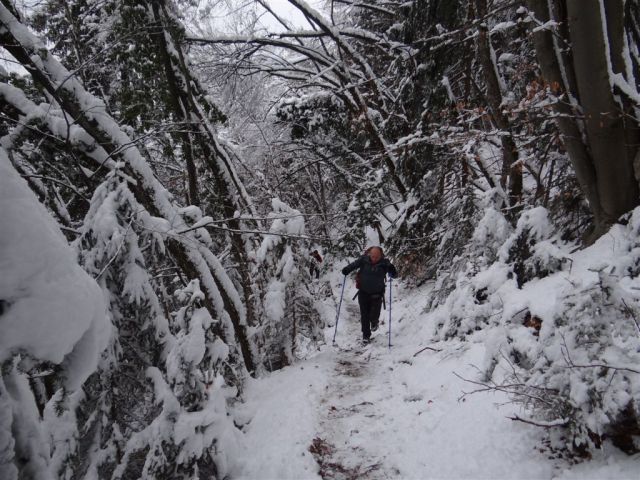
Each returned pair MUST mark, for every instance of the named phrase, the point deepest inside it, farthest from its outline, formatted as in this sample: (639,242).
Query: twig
(561,422)
(510,389)
(258,232)
(632,314)
(571,364)
(115,255)
(513,367)
(603,365)
(427,348)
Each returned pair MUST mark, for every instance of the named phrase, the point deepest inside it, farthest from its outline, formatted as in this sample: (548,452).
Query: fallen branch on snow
(561,422)
(427,348)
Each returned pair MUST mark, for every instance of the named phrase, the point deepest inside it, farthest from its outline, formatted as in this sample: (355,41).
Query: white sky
(227,17)
(291,13)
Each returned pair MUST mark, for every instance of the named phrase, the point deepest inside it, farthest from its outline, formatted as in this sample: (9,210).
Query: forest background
(164,181)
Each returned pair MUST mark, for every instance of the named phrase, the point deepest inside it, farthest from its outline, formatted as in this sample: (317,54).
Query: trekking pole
(390,297)
(344,281)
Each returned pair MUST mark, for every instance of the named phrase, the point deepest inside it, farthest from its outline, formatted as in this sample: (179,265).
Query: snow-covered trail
(349,415)
(387,414)
(354,412)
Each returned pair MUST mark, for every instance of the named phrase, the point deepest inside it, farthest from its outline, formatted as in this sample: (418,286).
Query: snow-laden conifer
(291,324)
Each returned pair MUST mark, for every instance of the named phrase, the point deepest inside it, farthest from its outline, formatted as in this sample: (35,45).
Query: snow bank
(281,422)
(562,321)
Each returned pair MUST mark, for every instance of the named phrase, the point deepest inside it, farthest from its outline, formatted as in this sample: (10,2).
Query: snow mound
(49,307)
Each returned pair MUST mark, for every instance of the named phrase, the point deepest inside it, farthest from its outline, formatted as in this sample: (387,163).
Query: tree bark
(566,119)
(615,14)
(179,111)
(604,123)
(602,148)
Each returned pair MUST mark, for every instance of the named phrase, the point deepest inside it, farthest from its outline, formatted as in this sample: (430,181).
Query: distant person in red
(314,267)
(372,267)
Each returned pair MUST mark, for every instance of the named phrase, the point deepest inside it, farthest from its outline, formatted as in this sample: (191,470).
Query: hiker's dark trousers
(370,304)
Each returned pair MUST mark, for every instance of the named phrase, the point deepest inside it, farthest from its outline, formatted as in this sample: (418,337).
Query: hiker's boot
(374,326)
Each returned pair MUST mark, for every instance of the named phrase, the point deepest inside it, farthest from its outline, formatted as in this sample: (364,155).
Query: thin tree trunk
(185,105)
(180,113)
(323,201)
(511,169)
(561,41)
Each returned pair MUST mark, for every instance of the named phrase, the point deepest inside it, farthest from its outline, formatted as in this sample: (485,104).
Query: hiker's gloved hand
(345,271)
(392,272)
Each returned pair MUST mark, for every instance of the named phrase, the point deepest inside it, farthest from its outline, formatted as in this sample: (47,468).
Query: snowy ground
(377,413)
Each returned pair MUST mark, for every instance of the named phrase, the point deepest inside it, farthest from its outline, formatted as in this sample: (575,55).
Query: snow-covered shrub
(568,338)
(475,229)
(193,434)
(495,261)
(580,375)
(471,302)
(430,241)
(586,363)
(532,249)
(488,236)
(311,113)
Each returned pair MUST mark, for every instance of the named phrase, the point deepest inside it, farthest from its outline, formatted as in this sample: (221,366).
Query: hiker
(373,267)
(314,264)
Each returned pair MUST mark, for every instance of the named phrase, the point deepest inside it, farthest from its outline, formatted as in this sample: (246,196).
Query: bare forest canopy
(174,176)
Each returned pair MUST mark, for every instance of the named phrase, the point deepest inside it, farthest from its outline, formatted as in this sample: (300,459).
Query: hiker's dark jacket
(371,276)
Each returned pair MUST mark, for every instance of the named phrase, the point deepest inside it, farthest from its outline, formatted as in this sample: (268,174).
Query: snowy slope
(374,412)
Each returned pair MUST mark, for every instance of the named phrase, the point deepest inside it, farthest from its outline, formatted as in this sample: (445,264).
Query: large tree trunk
(566,120)
(605,125)
(603,150)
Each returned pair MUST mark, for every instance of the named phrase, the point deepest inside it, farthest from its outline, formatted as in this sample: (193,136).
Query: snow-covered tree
(132,228)
(291,326)
(54,325)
